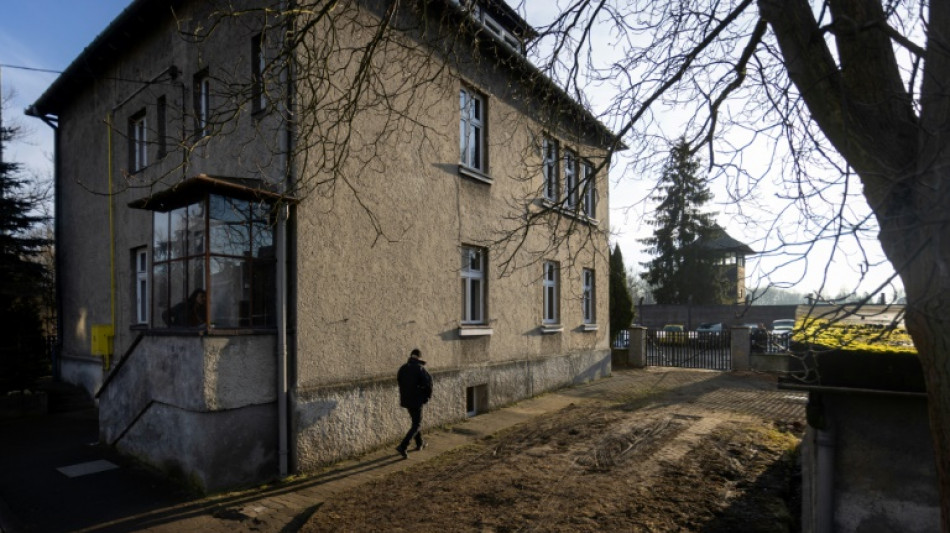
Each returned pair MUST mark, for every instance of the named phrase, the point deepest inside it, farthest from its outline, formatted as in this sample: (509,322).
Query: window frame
(589,296)
(208,252)
(138,141)
(588,189)
(571,179)
(476,158)
(550,169)
(469,278)
(141,285)
(551,311)
(202,104)
(161,126)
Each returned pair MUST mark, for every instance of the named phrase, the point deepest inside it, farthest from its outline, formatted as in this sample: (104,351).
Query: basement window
(476,399)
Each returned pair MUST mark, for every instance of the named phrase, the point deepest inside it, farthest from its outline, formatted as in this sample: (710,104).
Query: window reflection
(222,248)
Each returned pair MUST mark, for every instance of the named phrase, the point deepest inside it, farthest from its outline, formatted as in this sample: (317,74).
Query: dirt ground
(631,465)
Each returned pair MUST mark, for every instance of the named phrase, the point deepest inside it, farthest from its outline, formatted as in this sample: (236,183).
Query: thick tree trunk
(903,161)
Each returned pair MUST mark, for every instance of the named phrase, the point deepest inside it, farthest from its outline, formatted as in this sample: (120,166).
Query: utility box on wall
(102,335)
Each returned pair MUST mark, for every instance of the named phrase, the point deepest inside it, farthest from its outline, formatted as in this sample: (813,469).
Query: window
(476,399)
(202,104)
(258,101)
(472,130)
(588,190)
(570,178)
(551,311)
(160,128)
(138,142)
(587,297)
(549,169)
(473,285)
(213,265)
(140,262)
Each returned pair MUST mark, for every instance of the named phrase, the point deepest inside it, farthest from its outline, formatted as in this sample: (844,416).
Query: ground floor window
(213,265)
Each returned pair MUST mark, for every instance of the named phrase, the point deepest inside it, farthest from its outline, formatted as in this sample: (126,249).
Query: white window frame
(549,169)
(142,300)
(138,127)
(474,285)
(551,312)
(202,105)
(472,153)
(588,296)
(570,178)
(589,188)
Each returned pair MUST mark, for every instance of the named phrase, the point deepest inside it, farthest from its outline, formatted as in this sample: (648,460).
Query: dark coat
(415,384)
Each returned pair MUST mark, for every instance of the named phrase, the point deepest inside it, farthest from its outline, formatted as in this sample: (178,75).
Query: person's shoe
(402,451)
(422,445)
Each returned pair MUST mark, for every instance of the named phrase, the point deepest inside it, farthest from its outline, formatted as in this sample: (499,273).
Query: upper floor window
(202,93)
(213,265)
(472,130)
(570,178)
(588,190)
(551,312)
(587,296)
(258,100)
(550,169)
(161,133)
(473,285)
(138,142)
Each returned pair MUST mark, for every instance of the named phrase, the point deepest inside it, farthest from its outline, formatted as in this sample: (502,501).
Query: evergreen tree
(621,305)
(681,271)
(23,356)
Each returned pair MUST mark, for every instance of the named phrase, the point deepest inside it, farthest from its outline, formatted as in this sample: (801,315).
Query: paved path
(35,496)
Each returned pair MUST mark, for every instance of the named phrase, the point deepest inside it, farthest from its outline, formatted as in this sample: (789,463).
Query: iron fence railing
(689,349)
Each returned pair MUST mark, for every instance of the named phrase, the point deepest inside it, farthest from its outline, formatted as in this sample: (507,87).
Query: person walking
(415,389)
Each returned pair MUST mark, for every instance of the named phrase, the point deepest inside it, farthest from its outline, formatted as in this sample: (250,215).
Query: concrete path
(37,495)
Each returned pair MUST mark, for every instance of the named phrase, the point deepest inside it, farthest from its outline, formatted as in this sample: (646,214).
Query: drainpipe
(283,394)
(822,516)
(52,122)
(825,497)
(282,388)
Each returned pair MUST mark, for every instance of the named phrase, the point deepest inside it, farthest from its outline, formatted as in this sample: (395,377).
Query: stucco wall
(336,422)
(203,407)
(884,475)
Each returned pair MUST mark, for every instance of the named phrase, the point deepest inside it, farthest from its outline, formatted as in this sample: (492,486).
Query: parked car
(671,334)
(783,325)
(708,332)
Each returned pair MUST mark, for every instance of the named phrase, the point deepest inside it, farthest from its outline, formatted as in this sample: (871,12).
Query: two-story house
(261,210)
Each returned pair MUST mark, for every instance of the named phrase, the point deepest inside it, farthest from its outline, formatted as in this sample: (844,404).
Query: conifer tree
(621,305)
(22,277)
(680,271)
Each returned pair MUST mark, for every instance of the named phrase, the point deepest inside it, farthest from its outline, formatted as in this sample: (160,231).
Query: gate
(690,349)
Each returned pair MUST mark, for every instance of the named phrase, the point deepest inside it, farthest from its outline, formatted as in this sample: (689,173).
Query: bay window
(213,265)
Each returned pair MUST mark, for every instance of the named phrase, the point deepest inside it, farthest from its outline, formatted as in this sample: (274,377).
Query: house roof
(139,17)
(118,37)
(723,242)
(195,188)
(510,18)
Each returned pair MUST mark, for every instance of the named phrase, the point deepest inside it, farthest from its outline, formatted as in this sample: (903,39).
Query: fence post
(637,354)
(741,349)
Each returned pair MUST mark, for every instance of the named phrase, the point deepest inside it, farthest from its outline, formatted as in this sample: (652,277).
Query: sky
(49,34)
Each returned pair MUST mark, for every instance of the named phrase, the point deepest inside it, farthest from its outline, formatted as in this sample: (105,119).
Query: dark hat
(415,353)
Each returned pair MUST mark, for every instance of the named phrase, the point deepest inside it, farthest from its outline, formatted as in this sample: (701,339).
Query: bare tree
(844,98)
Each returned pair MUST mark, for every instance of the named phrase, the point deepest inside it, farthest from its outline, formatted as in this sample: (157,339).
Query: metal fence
(689,349)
